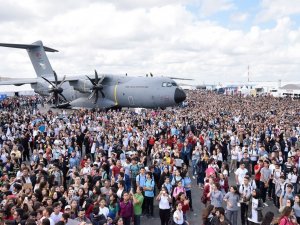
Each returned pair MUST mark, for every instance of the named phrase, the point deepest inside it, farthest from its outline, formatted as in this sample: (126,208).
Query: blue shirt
(73,162)
(187,182)
(168,186)
(140,180)
(149,184)
(176,179)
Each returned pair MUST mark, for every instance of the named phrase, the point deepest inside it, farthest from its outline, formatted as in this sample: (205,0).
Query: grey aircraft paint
(113,90)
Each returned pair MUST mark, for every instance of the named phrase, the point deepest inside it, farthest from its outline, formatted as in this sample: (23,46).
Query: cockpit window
(168,84)
(174,84)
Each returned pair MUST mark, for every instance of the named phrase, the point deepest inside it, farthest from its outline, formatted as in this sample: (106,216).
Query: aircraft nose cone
(179,96)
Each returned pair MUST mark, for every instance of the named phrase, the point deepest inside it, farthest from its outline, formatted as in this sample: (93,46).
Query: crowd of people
(114,167)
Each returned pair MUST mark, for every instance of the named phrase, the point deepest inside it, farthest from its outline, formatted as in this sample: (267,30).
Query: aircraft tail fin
(37,55)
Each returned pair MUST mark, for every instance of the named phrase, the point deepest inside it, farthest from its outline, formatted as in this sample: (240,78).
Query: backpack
(285,193)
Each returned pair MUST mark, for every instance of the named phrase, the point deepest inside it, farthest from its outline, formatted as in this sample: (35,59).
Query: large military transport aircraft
(104,91)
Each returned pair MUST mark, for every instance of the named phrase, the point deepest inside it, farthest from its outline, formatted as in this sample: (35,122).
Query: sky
(210,41)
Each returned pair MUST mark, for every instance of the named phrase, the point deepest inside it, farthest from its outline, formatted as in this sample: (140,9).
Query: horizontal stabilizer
(18,81)
(24,46)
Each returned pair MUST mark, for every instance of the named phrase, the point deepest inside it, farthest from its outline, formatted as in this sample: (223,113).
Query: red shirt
(257,176)
(151,141)
(116,171)
(185,208)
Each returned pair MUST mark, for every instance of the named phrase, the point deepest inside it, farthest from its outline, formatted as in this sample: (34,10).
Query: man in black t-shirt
(246,160)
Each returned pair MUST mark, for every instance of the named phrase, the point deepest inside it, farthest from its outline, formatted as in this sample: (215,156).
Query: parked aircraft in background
(104,91)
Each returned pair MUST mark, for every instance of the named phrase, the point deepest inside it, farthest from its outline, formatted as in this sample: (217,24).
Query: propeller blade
(91,95)
(56,99)
(64,98)
(55,77)
(61,83)
(96,97)
(91,80)
(49,98)
(96,77)
(103,95)
(101,80)
(49,82)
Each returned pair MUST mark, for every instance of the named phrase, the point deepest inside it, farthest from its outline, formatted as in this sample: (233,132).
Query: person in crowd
(216,195)
(138,200)
(245,191)
(165,201)
(208,214)
(287,217)
(126,209)
(264,180)
(296,208)
(255,215)
(232,198)
(268,218)
(178,218)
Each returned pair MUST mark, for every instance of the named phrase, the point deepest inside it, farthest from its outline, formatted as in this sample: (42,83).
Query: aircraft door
(131,100)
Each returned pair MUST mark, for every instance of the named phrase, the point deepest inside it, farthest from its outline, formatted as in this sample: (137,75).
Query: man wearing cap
(67,209)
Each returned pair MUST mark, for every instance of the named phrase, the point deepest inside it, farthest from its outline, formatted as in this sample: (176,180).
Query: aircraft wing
(18,81)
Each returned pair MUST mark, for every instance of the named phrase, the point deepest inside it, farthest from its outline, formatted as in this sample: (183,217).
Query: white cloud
(276,9)
(239,17)
(165,39)
(209,7)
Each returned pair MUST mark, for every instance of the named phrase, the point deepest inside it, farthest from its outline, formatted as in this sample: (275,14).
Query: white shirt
(220,157)
(55,217)
(93,148)
(51,220)
(272,168)
(240,155)
(253,155)
(86,170)
(164,202)
(234,154)
(293,178)
(177,214)
(241,174)
(119,192)
(254,218)
(104,211)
